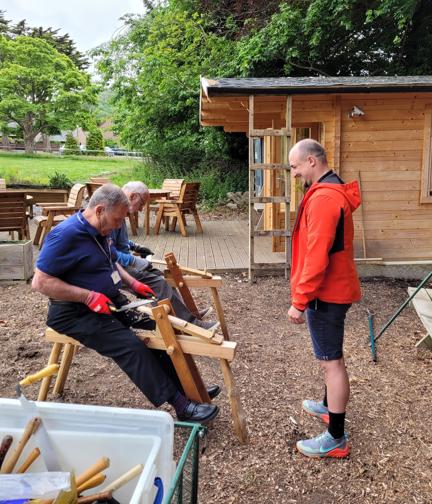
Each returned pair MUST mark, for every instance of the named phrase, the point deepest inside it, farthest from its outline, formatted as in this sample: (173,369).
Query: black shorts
(326,326)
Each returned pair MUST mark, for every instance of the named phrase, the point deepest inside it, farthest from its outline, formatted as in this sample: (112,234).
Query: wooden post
(251,191)
(220,312)
(184,365)
(181,285)
(239,420)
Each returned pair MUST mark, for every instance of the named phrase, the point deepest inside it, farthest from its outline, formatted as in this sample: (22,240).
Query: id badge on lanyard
(115,277)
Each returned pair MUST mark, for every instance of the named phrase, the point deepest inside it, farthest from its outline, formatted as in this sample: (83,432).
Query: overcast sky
(88,22)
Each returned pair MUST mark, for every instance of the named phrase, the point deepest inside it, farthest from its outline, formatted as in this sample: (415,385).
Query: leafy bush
(110,143)
(60,181)
(95,142)
(71,146)
(215,180)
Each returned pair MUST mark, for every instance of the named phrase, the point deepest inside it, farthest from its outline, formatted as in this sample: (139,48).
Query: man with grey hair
(324,284)
(141,268)
(78,270)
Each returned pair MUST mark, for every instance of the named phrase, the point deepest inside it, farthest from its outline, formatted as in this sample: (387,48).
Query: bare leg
(338,389)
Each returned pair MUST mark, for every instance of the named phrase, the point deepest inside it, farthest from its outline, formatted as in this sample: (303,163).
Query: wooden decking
(222,247)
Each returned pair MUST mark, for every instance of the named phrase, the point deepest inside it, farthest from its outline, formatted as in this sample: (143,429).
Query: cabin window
(426,178)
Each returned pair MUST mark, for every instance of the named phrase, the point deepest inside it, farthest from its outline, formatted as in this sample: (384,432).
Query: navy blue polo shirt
(76,253)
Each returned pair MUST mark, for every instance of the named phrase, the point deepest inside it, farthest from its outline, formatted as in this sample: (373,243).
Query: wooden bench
(180,339)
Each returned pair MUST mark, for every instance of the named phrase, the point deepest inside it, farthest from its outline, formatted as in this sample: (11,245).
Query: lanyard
(108,256)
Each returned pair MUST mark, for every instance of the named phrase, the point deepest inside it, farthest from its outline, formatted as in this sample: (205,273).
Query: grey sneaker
(324,445)
(205,312)
(212,324)
(316,409)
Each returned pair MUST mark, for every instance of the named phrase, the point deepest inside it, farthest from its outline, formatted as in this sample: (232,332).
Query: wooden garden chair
(173,188)
(13,215)
(179,208)
(53,214)
(76,196)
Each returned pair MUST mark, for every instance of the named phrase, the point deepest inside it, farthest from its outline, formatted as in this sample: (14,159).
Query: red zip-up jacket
(322,264)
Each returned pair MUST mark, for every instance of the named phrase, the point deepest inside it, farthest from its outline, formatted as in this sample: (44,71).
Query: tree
(95,141)
(154,72)
(343,37)
(40,88)
(63,43)
(71,146)
(154,67)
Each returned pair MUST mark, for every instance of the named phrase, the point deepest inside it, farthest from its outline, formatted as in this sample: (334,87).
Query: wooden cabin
(377,130)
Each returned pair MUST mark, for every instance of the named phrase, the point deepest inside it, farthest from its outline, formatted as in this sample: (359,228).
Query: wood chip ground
(389,417)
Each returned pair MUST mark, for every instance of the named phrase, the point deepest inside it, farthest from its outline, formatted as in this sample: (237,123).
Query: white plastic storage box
(80,435)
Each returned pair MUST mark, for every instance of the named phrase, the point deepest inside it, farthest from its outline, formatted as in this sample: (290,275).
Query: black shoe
(195,412)
(213,391)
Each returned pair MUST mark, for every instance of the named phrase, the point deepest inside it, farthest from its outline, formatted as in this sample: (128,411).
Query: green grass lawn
(37,169)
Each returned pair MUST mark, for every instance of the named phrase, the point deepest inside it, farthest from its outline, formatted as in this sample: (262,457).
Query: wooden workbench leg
(184,365)
(219,311)
(68,353)
(53,359)
(237,413)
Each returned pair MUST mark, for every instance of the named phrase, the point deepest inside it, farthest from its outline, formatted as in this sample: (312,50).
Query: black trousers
(154,278)
(151,370)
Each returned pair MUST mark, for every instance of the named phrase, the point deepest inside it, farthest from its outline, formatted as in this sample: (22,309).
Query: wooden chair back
(100,180)
(174,186)
(189,196)
(76,195)
(13,212)
(92,187)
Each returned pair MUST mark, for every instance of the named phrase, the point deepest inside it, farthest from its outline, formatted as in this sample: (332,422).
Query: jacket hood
(350,191)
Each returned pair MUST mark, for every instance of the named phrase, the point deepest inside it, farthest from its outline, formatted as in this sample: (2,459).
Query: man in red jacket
(324,284)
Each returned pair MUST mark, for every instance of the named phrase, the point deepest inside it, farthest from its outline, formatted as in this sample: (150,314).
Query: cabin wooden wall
(386,147)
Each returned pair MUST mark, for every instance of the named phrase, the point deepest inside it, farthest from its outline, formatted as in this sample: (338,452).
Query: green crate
(184,487)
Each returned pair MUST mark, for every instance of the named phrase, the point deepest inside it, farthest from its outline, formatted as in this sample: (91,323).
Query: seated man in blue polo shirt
(78,270)
(141,269)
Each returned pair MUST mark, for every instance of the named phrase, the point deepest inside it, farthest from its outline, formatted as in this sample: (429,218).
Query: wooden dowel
(50,370)
(99,466)
(10,462)
(5,445)
(98,497)
(96,480)
(125,478)
(31,457)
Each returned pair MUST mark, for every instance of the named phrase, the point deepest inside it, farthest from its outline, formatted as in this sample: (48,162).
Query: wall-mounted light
(356,112)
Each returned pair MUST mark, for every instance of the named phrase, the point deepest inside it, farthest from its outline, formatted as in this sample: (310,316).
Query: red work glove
(99,303)
(143,290)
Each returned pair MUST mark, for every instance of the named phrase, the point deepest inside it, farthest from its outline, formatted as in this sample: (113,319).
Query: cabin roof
(314,85)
